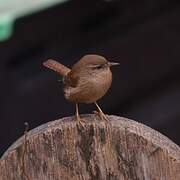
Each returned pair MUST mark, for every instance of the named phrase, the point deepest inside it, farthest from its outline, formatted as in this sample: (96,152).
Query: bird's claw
(101,115)
(81,121)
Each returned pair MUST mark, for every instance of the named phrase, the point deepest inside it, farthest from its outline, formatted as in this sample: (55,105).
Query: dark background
(144,36)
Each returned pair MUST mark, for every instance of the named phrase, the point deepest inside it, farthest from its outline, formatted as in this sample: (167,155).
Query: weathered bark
(120,149)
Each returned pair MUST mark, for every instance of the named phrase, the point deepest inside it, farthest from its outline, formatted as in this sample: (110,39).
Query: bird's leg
(100,113)
(78,118)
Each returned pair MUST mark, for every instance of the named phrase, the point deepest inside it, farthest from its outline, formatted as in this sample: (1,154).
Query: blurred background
(144,36)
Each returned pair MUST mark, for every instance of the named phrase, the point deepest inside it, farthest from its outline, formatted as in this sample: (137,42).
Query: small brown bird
(86,82)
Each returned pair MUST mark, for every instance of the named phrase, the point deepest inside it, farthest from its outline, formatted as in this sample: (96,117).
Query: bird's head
(94,64)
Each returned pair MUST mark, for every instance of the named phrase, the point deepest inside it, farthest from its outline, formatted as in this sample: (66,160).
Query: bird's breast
(89,89)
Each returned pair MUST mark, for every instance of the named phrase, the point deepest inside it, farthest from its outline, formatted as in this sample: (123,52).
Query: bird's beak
(113,63)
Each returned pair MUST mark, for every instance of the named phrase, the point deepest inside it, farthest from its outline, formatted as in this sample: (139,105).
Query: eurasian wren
(87,81)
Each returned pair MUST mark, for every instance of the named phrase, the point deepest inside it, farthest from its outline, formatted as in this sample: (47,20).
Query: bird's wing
(57,67)
(71,80)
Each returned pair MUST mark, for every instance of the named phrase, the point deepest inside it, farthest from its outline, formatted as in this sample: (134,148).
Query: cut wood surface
(120,149)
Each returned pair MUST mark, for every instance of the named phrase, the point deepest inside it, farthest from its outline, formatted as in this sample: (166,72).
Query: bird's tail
(57,67)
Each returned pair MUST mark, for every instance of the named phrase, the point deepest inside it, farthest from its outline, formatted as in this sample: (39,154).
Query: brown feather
(57,67)
(72,79)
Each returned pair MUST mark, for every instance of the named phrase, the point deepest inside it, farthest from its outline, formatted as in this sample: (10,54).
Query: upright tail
(57,67)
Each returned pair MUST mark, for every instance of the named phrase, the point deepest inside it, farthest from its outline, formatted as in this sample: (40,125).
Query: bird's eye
(99,67)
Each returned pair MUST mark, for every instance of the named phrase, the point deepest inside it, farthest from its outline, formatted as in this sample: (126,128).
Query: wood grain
(120,149)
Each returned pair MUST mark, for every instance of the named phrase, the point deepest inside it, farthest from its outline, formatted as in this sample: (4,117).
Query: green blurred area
(6,27)
(10,10)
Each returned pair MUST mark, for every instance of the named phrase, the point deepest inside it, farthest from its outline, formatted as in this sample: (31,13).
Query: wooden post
(120,149)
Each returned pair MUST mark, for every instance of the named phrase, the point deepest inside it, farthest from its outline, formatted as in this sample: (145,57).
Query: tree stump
(120,149)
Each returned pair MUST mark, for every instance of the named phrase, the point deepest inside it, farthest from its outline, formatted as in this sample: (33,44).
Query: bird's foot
(80,121)
(101,115)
